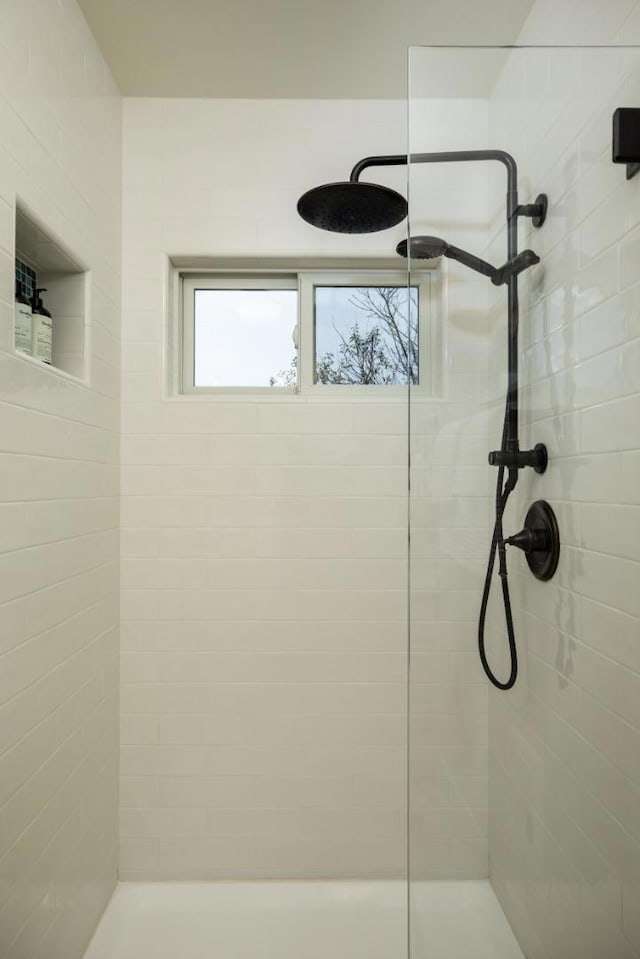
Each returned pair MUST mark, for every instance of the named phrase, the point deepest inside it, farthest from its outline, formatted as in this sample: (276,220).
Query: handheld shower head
(428,247)
(423,247)
(352,207)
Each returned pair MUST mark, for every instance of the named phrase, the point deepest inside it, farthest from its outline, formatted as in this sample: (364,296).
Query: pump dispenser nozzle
(38,305)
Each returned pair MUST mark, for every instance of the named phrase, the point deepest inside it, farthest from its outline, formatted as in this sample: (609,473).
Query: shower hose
(503,491)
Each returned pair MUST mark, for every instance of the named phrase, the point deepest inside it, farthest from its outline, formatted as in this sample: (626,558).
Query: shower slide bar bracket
(537,458)
(536,210)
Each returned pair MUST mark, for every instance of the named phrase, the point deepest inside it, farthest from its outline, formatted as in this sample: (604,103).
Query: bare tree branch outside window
(373,336)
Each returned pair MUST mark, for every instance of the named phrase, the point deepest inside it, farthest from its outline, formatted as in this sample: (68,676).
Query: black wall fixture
(427,247)
(350,206)
(626,139)
(539,540)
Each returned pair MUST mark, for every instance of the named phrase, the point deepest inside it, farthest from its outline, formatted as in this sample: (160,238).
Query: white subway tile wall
(60,145)
(264,544)
(564,746)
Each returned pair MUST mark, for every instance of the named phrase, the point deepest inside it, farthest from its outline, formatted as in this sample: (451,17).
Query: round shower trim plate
(541,519)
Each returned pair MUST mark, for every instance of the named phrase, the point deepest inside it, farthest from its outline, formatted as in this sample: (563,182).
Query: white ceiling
(285,48)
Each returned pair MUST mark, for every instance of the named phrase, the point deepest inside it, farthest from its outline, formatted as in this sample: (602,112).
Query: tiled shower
(204,671)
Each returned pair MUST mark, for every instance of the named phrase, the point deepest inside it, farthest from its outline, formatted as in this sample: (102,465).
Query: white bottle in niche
(42,328)
(23,335)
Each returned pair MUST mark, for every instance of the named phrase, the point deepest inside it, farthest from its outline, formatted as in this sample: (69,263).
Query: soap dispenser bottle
(42,328)
(23,322)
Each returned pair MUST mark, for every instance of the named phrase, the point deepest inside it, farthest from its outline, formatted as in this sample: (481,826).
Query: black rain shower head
(429,247)
(352,207)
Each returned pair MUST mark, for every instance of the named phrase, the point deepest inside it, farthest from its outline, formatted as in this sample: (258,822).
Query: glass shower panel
(521,797)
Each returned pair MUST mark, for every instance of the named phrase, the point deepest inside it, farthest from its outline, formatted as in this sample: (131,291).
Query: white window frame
(212,281)
(430,312)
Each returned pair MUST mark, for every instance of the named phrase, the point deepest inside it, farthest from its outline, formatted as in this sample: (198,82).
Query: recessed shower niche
(43,264)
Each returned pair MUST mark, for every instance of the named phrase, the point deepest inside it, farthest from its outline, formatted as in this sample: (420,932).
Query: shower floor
(302,920)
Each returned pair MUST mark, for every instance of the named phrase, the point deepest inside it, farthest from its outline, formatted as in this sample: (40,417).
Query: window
(311,331)
(239,332)
(366,335)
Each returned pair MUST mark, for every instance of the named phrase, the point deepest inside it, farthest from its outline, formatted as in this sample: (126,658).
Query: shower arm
(510,456)
(533,210)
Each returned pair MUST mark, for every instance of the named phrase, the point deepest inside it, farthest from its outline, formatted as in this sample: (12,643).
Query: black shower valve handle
(539,540)
(530,540)
(537,458)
